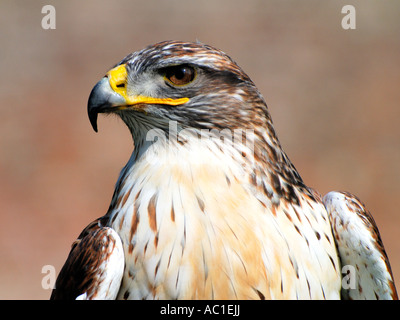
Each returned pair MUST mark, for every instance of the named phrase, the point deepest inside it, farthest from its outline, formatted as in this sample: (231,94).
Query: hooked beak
(102,99)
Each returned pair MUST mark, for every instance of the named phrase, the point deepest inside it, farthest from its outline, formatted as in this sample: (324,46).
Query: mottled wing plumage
(360,247)
(94,267)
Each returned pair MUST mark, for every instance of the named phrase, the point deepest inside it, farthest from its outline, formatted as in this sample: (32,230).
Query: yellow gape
(118,81)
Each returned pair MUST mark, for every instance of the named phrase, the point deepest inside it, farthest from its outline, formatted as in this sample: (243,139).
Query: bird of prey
(209,206)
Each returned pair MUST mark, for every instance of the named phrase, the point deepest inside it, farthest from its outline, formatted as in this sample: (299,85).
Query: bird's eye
(180,75)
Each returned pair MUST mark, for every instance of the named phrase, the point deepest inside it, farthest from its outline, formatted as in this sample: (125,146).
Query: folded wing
(360,248)
(94,267)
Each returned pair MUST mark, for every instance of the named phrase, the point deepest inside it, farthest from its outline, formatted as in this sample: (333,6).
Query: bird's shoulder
(94,267)
(360,248)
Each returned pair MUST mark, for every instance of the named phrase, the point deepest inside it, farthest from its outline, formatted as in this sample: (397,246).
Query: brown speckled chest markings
(191,232)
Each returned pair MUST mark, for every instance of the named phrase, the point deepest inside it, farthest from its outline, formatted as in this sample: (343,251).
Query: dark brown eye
(180,75)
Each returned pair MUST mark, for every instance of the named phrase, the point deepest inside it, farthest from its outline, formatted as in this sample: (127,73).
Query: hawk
(209,206)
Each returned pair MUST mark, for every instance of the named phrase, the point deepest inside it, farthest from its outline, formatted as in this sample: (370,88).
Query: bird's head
(196,87)
(193,84)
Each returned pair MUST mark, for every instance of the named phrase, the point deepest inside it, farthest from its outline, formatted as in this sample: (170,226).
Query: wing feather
(94,267)
(360,249)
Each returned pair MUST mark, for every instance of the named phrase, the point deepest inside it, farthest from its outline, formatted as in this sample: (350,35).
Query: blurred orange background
(333,94)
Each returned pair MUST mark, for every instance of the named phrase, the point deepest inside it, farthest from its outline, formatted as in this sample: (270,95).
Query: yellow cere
(118,82)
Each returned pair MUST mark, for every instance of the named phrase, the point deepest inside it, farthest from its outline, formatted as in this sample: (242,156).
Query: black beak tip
(94,105)
(93,119)
(100,101)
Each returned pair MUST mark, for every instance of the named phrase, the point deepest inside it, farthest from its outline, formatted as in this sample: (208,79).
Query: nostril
(120,85)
